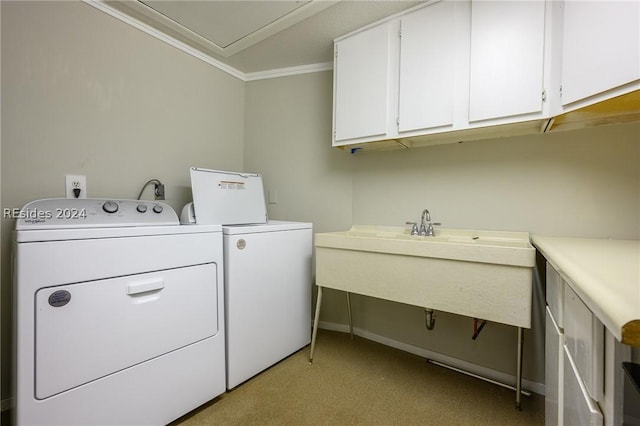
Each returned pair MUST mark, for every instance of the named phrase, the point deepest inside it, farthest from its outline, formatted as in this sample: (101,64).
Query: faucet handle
(429,231)
(414,228)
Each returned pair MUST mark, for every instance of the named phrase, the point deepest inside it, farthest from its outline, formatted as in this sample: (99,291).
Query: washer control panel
(60,213)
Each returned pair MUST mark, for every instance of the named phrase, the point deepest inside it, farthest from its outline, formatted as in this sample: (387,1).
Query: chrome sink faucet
(426,217)
(426,229)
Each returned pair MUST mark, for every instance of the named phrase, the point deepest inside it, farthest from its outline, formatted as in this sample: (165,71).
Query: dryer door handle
(145,286)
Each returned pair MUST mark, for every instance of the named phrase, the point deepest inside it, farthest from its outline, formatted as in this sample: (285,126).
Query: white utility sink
(499,247)
(480,274)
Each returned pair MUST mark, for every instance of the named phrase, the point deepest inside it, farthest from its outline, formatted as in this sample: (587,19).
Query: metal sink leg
(314,333)
(519,370)
(349,312)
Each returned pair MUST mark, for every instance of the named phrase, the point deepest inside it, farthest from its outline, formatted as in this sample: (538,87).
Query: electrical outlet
(75,186)
(158,192)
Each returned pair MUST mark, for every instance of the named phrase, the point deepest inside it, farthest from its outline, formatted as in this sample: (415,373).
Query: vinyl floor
(361,382)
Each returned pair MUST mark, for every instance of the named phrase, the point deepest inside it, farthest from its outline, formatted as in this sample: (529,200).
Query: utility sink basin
(481,274)
(498,247)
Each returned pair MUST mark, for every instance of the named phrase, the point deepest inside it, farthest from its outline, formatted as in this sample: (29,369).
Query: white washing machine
(267,269)
(119,313)
(267,275)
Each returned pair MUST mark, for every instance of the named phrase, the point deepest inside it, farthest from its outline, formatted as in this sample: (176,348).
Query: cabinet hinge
(544,96)
(560,92)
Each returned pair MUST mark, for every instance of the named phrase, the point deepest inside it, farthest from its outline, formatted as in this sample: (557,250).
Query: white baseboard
(478,370)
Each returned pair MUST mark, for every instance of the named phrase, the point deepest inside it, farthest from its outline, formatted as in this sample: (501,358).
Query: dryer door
(89,330)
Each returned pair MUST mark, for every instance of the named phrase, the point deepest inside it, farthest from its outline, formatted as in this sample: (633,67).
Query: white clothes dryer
(119,313)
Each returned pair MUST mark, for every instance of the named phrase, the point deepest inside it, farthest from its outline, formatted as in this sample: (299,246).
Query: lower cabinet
(583,361)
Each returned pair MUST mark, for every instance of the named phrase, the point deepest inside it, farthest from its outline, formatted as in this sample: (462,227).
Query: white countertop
(605,274)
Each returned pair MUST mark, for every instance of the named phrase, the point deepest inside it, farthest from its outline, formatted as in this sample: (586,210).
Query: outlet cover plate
(75,182)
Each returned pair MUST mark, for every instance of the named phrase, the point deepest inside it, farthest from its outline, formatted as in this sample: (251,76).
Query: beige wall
(582,183)
(288,141)
(83,93)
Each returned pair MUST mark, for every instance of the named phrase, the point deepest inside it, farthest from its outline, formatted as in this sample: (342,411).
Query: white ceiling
(254,36)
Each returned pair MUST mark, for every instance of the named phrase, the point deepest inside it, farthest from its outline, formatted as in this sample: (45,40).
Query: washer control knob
(110,206)
(157,208)
(142,208)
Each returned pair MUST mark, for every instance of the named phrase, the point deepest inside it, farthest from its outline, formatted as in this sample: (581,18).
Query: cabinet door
(579,408)
(584,340)
(427,49)
(601,47)
(555,295)
(507,52)
(361,81)
(553,372)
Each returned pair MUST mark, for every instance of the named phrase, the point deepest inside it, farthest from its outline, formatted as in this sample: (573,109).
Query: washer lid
(73,213)
(227,198)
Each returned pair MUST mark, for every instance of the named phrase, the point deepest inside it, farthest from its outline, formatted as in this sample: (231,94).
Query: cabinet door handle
(145,286)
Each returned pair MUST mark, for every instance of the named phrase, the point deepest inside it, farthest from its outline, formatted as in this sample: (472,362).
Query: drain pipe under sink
(429,319)
(430,322)
(476,329)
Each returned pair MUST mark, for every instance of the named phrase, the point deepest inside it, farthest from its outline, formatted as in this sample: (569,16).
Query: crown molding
(285,72)
(154,32)
(146,28)
(147,14)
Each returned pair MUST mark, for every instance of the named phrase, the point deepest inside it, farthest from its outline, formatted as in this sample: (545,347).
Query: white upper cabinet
(399,78)
(427,68)
(507,58)
(601,48)
(457,70)
(361,84)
